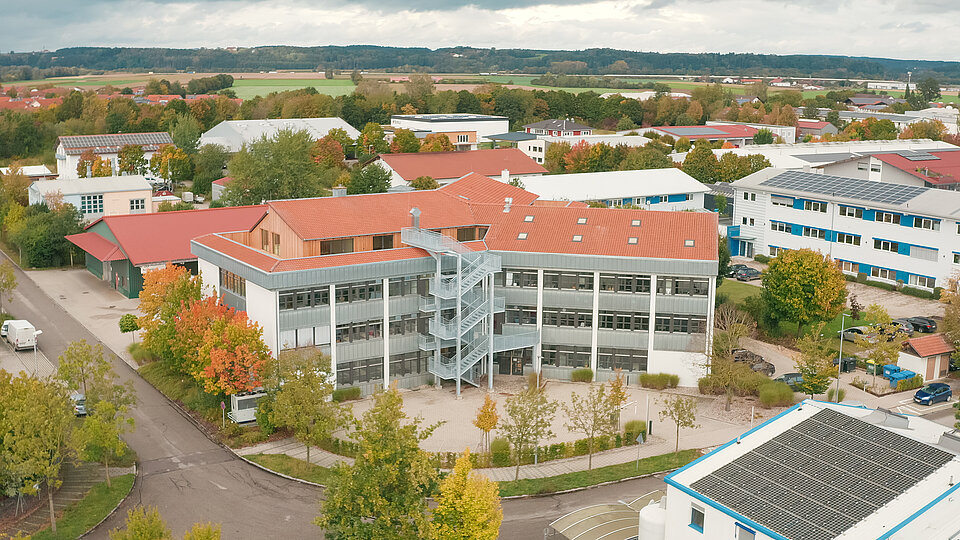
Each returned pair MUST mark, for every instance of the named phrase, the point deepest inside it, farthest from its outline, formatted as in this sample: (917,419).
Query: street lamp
(36,364)
(840,357)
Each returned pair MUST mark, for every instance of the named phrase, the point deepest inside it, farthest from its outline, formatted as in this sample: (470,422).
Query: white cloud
(890,28)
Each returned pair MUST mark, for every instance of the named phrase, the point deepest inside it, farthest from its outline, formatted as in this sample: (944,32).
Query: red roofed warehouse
(472,279)
(444,167)
(120,248)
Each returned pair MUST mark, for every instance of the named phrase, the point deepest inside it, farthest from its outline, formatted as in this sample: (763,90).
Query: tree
(383,494)
(209,162)
(165,292)
(468,506)
(143,524)
(815,362)
(372,139)
(591,415)
(645,158)
(702,164)
(404,141)
(185,132)
(303,401)
(802,285)
(79,364)
(763,136)
(577,159)
(437,142)
(528,419)
(553,156)
(328,153)
(370,179)
(683,412)
(40,234)
(172,163)
(15,185)
(131,160)
(924,129)
(98,438)
(487,418)
(128,324)
(883,348)
(424,182)
(928,89)
(203,531)
(94,164)
(618,394)
(191,324)
(419,87)
(237,355)
(8,282)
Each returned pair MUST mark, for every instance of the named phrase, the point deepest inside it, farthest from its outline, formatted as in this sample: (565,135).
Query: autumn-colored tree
(328,153)
(340,135)
(424,182)
(577,160)
(165,292)
(802,285)
(237,354)
(191,324)
(203,531)
(372,139)
(97,166)
(16,184)
(553,159)
(404,141)
(592,415)
(468,506)
(925,129)
(436,142)
(131,159)
(487,418)
(617,394)
(172,163)
(143,524)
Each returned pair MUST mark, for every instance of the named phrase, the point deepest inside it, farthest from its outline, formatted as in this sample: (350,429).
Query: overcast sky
(914,29)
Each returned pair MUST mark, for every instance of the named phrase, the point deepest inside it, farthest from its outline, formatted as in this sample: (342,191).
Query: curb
(584,488)
(136,477)
(271,471)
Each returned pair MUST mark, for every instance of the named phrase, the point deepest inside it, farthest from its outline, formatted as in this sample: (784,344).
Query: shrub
(633,428)
(580,447)
(831,393)
(140,354)
(582,375)
(920,293)
(910,384)
(659,381)
(775,394)
(500,452)
(346,394)
(879,285)
(263,415)
(861,277)
(760,258)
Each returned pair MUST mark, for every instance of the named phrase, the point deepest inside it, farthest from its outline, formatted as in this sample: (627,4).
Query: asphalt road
(184,474)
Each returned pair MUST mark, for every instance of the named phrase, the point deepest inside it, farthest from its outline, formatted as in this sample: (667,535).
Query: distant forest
(467,60)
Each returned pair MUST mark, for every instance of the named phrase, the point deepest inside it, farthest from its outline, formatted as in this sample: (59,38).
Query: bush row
(899,286)
(659,380)
(581,375)
(910,384)
(761,258)
(346,394)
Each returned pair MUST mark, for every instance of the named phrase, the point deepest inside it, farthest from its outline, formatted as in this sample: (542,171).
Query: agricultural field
(250,87)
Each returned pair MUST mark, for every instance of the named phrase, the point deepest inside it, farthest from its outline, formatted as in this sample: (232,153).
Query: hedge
(582,375)
(761,258)
(501,456)
(910,384)
(659,380)
(500,451)
(346,394)
(632,429)
(775,394)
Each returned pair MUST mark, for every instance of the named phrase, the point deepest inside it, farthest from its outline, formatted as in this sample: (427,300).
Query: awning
(615,521)
(97,246)
(748,238)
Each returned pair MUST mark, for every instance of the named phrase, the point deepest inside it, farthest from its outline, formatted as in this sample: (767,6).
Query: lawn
(249,88)
(294,467)
(736,291)
(79,517)
(552,484)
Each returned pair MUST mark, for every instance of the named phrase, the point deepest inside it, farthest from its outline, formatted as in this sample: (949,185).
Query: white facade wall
(482,127)
(209,277)
(689,366)
(716,524)
(535,149)
(262,309)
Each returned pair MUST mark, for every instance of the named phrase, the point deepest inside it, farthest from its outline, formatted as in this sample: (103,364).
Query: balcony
(432,241)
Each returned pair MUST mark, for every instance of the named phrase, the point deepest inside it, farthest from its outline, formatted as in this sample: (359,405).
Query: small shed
(929,356)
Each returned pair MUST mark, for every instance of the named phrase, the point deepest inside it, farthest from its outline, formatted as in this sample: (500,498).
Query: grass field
(294,467)
(736,291)
(249,88)
(79,517)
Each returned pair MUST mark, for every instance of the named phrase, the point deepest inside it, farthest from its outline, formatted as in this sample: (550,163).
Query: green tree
(802,285)
(370,179)
(383,494)
(143,524)
(645,158)
(8,282)
(723,258)
(424,182)
(340,135)
(203,531)
(128,324)
(131,160)
(527,422)
(883,348)
(591,415)
(372,139)
(815,362)
(185,132)
(733,167)
(617,394)
(41,237)
(811,111)
(81,364)
(209,163)
(683,412)
(928,89)
(553,157)
(302,401)
(468,506)
(763,136)
(702,164)
(404,141)
(98,438)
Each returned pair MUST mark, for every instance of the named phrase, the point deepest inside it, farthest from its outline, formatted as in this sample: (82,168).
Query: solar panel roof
(821,477)
(685,131)
(74,143)
(914,155)
(839,186)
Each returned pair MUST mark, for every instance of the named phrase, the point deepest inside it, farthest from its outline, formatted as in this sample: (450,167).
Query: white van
(21,334)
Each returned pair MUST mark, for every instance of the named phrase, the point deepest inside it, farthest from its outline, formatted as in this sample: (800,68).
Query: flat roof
(101,184)
(512,136)
(614,184)
(449,117)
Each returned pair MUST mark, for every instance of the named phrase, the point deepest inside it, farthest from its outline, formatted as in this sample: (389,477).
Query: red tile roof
(811,124)
(165,236)
(223,181)
(931,345)
(96,245)
(478,189)
(446,165)
(945,170)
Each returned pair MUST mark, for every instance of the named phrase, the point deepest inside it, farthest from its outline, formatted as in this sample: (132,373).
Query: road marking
(218,485)
(916,409)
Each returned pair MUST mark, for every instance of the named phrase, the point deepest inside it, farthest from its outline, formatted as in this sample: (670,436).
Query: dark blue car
(932,393)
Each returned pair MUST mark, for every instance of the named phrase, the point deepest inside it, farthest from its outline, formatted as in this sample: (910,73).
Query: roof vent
(507,203)
(950,440)
(886,417)
(339,191)
(415,214)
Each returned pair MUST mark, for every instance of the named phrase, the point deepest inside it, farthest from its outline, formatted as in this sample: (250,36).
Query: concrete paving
(28,361)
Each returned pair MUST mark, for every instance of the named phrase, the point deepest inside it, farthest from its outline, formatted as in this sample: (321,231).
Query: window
(744,533)
(883,273)
(885,245)
(849,267)
(137,205)
(520,278)
(575,281)
(625,359)
(359,331)
(276,244)
(624,283)
(304,298)
(861,165)
(463,138)
(657,199)
(888,217)
(384,241)
(522,236)
(467,234)
(689,243)
(744,221)
(926,254)
(636,223)
(358,292)
(233,282)
(775,251)
(852,239)
(696,517)
(332,247)
(779,226)
(749,196)
(633,240)
(926,223)
(922,281)
(528,219)
(581,221)
(814,233)
(264,239)
(751,222)
(956,258)
(815,206)
(874,167)
(578,238)
(778,200)
(91,204)
(851,211)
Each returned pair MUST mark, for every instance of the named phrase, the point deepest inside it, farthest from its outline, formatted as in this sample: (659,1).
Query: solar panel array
(821,477)
(913,155)
(849,188)
(120,139)
(694,131)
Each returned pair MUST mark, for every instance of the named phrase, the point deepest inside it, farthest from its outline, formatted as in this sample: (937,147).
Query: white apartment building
(893,233)
(536,149)
(234,134)
(787,133)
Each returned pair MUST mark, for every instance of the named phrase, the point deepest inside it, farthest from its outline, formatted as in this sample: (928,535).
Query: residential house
(927,356)
(464,130)
(97,197)
(119,249)
(815,128)
(71,147)
(234,134)
(558,128)
(470,280)
(780,83)
(445,167)
(741,100)
(657,189)
(818,471)
(891,233)
(737,135)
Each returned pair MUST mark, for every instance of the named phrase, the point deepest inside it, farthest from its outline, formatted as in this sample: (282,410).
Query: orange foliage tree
(578,158)
(98,166)
(436,142)
(328,152)
(191,325)
(165,292)
(236,353)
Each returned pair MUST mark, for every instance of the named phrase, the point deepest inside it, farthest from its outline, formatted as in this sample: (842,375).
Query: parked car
(791,380)
(905,325)
(79,404)
(923,324)
(932,393)
(747,274)
(734,268)
(757,363)
(852,333)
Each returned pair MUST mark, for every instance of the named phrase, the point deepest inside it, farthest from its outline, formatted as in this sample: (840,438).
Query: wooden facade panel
(290,244)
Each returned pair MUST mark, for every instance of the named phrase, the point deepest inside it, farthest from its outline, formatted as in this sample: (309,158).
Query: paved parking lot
(17,361)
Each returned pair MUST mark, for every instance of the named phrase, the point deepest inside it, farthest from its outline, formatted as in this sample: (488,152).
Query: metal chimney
(339,191)
(507,203)
(415,214)
(505,176)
